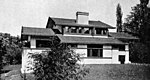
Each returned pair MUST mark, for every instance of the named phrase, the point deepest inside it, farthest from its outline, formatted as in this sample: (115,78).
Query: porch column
(69,28)
(33,43)
(99,53)
(82,30)
(93,31)
(77,29)
(29,38)
(127,54)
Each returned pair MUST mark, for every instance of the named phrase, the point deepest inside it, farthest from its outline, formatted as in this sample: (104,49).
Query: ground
(97,72)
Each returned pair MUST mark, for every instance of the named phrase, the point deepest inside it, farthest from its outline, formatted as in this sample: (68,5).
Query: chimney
(82,18)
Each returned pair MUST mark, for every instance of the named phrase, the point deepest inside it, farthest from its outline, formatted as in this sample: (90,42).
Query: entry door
(122,59)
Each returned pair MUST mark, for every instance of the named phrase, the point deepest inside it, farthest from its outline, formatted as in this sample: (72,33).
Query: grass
(118,72)
(106,72)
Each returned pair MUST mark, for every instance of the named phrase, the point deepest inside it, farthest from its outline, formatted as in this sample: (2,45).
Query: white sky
(34,13)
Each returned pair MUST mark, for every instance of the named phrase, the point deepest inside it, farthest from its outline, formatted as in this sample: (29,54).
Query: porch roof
(121,35)
(88,40)
(37,31)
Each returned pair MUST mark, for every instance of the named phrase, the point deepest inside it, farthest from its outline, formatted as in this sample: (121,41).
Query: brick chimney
(82,18)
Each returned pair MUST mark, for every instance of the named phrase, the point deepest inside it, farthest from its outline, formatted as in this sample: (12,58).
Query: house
(91,39)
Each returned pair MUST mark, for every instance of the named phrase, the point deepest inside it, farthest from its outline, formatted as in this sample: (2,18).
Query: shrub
(60,63)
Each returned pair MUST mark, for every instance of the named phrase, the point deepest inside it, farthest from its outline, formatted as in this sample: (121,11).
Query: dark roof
(88,40)
(72,22)
(121,35)
(37,31)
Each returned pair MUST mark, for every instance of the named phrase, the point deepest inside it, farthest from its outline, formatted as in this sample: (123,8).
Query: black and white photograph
(74,40)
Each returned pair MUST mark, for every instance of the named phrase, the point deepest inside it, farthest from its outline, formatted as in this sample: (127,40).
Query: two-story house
(91,39)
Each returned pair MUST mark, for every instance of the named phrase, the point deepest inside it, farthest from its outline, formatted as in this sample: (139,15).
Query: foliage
(119,18)
(139,53)
(138,24)
(60,63)
(10,49)
(138,21)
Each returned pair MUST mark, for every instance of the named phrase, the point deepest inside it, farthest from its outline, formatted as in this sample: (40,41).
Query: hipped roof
(72,22)
(88,40)
(37,31)
(122,35)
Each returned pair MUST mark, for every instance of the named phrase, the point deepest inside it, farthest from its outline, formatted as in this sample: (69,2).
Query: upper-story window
(73,30)
(118,47)
(80,30)
(86,30)
(100,31)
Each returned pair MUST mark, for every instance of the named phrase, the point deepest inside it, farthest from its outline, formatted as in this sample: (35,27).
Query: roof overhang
(122,35)
(83,25)
(30,31)
(88,40)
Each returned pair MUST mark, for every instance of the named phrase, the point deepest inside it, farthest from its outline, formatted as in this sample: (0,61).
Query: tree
(138,24)
(10,49)
(60,63)
(119,18)
(0,55)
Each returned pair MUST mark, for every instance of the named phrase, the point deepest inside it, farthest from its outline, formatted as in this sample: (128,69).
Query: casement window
(95,51)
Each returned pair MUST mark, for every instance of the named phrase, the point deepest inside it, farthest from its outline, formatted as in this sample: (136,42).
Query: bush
(60,63)
(139,53)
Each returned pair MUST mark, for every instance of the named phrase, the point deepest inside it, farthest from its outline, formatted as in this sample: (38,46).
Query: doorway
(122,59)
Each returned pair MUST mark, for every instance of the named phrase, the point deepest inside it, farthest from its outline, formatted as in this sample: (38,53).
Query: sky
(34,13)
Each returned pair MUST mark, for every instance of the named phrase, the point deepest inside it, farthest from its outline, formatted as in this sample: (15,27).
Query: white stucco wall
(107,51)
(27,61)
(110,56)
(82,51)
(115,56)
(33,43)
(95,61)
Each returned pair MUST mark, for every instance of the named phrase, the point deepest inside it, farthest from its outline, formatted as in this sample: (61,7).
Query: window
(80,30)
(101,31)
(115,47)
(73,30)
(95,51)
(72,45)
(118,47)
(43,43)
(122,48)
(98,31)
(87,31)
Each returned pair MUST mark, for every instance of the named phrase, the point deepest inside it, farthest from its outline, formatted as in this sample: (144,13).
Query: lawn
(118,72)
(105,72)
